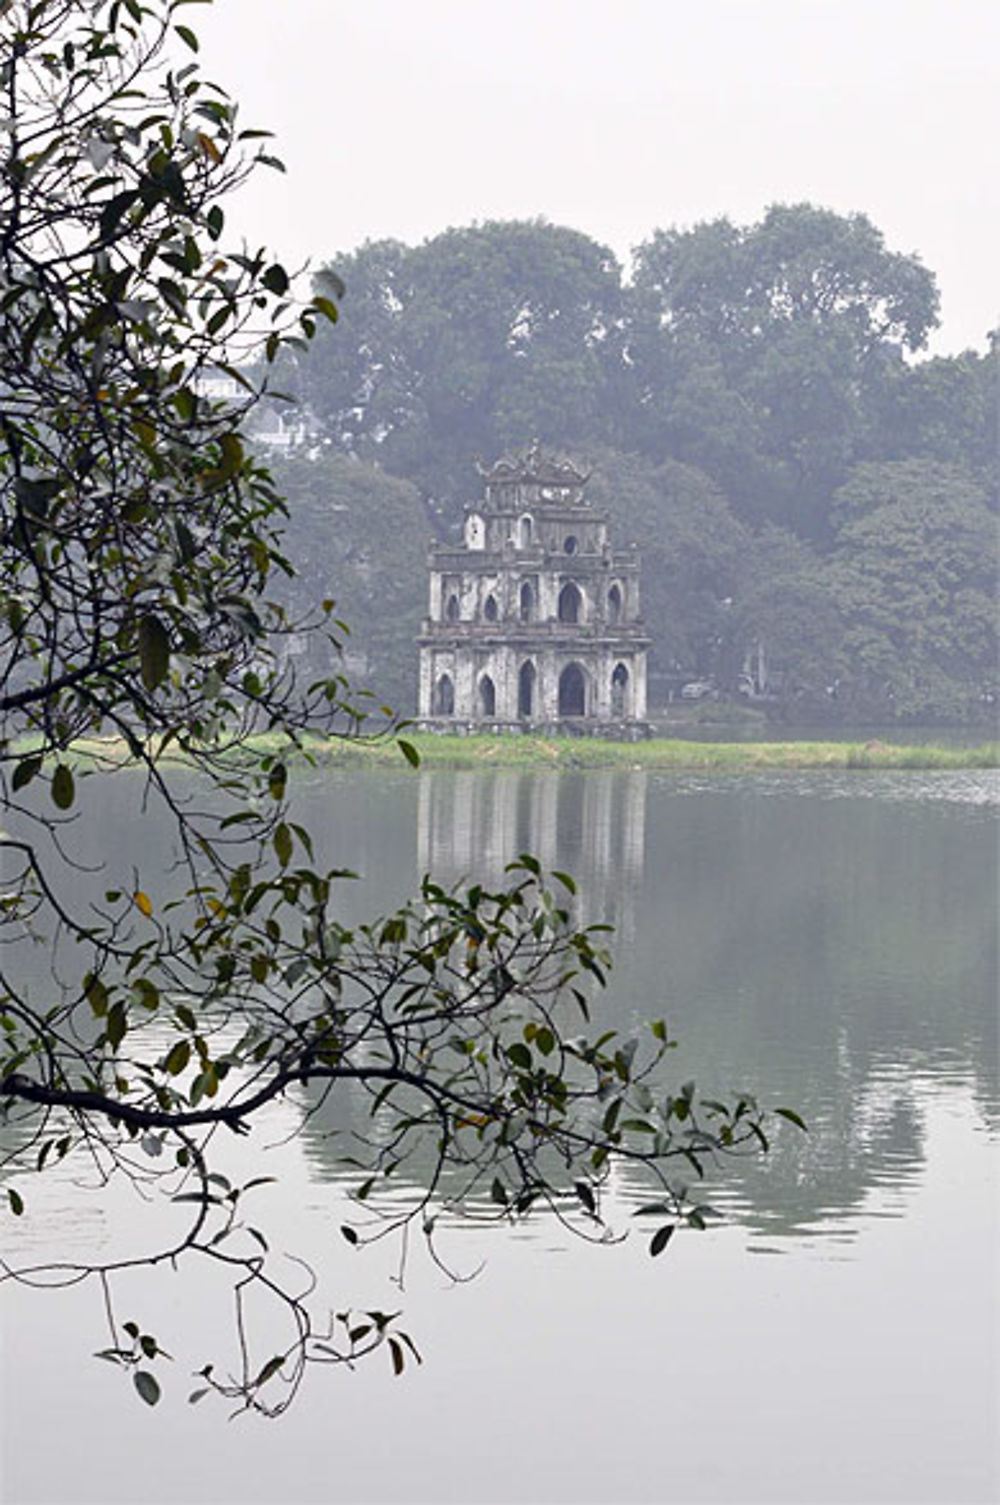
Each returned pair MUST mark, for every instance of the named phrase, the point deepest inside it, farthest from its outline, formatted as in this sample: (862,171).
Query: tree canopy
(725,388)
(360,535)
(914,571)
(460,347)
(144,639)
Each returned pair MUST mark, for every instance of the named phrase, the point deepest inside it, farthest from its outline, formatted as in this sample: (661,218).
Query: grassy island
(442,751)
(434,750)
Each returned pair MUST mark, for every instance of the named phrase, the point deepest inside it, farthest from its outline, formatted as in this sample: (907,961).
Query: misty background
(738,257)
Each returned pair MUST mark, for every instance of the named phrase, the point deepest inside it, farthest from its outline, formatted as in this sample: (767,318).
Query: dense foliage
(154,1002)
(731,391)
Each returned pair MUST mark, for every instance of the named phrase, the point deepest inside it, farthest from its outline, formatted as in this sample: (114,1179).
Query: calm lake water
(826,940)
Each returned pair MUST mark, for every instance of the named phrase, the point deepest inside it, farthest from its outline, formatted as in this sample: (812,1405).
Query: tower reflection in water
(470,825)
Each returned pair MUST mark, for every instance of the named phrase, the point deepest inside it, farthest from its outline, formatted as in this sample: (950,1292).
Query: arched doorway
(451,611)
(487,696)
(527,602)
(570,602)
(444,696)
(619,692)
(614,604)
(526,690)
(572,691)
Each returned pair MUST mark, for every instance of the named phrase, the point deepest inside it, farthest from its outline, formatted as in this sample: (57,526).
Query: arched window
(452,611)
(572,691)
(526,604)
(526,690)
(619,691)
(527,528)
(487,696)
(490,611)
(569,544)
(614,604)
(569,603)
(444,696)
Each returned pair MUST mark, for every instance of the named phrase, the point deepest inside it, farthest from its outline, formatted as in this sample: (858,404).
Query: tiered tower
(534,620)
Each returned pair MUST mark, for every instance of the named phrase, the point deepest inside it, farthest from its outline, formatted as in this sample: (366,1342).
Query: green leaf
(232,454)
(661,1238)
(154,651)
(16,1201)
(275,279)
(349,1233)
(25,772)
(117,1025)
(63,788)
(147,993)
(396,1350)
(277,779)
(545,1041)
(177,1058)
(409,752)
(611,1116)
(96,994)
(793,1118)
(147,1386)
(326,308)
(283,844)
(586,1196)
(270,1369)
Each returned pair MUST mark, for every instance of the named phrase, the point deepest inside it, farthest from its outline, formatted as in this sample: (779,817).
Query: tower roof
(534,465)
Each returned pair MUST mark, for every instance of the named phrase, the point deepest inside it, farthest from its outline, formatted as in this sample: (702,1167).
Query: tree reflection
(835,949)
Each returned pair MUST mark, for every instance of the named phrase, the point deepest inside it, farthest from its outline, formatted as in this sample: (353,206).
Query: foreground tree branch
(139,539)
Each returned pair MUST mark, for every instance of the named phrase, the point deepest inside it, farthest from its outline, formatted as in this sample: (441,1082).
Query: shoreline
(444,751)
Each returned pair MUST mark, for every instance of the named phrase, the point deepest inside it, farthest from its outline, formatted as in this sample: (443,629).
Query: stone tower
(533,620)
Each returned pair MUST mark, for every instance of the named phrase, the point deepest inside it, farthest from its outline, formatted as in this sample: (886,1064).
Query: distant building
(278,426)
(533,620)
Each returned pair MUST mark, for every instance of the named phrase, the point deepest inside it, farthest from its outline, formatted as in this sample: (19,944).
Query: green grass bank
(657,753)
(443,751)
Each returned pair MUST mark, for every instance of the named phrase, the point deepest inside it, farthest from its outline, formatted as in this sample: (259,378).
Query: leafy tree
(466,344)
(748,348)
(139,541)
(915,571)
(359,535)
(787,615)
(732,288)
(691,546)
(944,409)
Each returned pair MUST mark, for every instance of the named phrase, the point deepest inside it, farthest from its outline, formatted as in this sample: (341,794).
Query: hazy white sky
(401,117)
